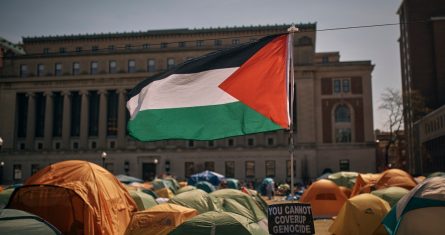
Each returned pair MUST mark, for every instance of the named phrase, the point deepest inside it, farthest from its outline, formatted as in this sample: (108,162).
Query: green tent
(233,183)
(258,199)
(4,197)
(344,178)
(173,182)
(206,186)
(437,173)
(143,200)
(185,189)
(20,222)
(241,203)
(392,194)
(219,223)
(198,200)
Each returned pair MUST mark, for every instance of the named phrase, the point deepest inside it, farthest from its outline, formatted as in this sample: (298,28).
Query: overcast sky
(22,18)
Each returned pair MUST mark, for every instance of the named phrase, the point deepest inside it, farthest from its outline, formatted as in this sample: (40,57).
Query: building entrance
(148,171)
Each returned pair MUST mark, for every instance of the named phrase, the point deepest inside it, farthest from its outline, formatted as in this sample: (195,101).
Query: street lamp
(1,171)
(1,143)
(103,156)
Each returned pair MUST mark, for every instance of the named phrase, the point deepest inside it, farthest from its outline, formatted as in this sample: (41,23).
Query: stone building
(65,99)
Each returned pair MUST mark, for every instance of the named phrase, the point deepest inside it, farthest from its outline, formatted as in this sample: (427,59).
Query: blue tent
(209,176)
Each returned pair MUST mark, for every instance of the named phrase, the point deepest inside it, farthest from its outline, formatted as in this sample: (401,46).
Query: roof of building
(301,26)
(11,46)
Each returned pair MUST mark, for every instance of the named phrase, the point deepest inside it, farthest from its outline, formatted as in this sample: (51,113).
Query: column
(66,123)
(84,108)
(48,132)
(102,119)
(121,119)
(31,121)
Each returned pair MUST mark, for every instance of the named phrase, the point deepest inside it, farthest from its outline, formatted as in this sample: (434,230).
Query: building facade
(422,53)
(65,99)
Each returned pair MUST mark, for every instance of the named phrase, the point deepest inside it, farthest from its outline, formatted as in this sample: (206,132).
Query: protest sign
(290,218)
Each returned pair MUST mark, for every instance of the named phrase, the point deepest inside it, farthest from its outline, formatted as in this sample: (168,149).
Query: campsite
(79,197)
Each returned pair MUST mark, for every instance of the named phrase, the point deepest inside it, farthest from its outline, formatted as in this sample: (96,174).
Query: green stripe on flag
(199,123)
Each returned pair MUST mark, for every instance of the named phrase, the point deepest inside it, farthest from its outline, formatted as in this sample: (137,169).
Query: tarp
(219,223)
(143,200)
(209,176)
(237,202)
(77,195)
(197,199)
(421,211)
(159,220)
(392,194)
(362,215)
(128,179)
(344,178)
(19,222)
(325,198)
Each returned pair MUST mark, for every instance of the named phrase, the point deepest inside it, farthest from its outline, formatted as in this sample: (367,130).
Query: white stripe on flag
(183,90)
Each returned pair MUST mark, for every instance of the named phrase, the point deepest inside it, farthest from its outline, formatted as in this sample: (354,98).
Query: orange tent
(77,197)
(366,183)
(346,191)
(325,198)
(159,220)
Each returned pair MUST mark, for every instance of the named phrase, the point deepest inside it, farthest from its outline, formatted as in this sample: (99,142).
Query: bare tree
(392,104)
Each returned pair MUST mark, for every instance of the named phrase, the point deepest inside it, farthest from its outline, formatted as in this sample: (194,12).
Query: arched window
(305,41)
(342,114)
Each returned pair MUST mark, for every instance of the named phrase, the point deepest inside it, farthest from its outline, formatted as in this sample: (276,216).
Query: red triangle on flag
(260,82)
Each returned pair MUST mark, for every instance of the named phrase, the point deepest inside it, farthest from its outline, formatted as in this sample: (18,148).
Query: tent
(240,203)
(344,178)
(4,196)
(421,211)
(164,193)
(159,220)
(325,198)
(346,191)
(76,196)
(392,194)
(209,176)
(173,182)
(128,179)
(363,183)
(435,174)
(206,186)
(395,177)
(362,215)
(232,183)
(143,200)
(219,223)
(257,197)
(20,222)
(197,199)
(185,189)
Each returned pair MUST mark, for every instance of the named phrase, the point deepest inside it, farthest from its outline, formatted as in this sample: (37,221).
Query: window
(210,166)
(288,170)
(45,50)
(145,46)
(252,40)
(305,41)
(230,169)
(94,67)
(17,171)
(342,114)
(250,141)
(131,66)
(23,70)
(325,59)
(112,66)
(58,69)
(94,48)
(218,42)
(112,105)
(76,68)
(344,165)
(181,44)
(199,43)
(191,144)
(163,45)
(270,141)
(78,49)
(128,47)
(230,142)
(270,168)
(345,86)
(34,168)
(211,143)
(40,70)
(111,47)
(189,169)
(235,41)
(250,169)
(343,135)
(170,63)
(151,65)
(62,50)
(337,86)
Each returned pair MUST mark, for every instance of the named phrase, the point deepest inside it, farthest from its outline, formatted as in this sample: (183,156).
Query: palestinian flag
(238,91)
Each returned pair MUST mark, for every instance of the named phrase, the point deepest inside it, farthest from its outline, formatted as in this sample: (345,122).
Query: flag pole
(291,31)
